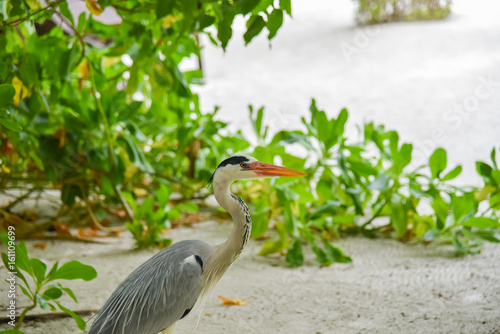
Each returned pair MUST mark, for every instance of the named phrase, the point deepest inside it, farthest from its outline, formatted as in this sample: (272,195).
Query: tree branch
(22,19)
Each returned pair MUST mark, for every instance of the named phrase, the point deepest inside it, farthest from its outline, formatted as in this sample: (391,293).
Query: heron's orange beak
(263,169)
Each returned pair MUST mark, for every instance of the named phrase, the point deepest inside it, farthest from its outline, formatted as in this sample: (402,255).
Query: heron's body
(165,288)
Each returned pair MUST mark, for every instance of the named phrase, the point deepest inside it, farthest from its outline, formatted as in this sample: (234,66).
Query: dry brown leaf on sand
(226,301)
(41,245)
(61,229)
(88,232)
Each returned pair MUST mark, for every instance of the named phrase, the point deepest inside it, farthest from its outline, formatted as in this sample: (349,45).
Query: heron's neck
(229,250)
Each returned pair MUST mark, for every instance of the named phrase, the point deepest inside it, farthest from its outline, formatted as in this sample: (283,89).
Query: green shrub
(383,11)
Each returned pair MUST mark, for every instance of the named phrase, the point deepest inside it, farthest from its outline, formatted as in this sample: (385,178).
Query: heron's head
(245,167)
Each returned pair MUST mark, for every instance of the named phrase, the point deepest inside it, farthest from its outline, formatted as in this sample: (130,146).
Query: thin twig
(72,238)
(21,318)
(96,221)
(130,10)
(126,206)
(107,132)
(22,179)
(168,178)
(375,215)
(19,199)
(77,34)
(50,316)
(22,19)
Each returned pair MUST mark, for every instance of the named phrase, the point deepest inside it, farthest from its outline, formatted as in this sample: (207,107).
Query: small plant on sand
(38,285)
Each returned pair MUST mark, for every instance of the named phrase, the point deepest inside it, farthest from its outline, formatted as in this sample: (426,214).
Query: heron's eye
(243,165)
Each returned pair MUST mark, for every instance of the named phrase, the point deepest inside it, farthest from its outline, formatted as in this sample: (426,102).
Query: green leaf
(286,5)
(53,270)
(493,157)
(450,221)
(399,216)
(248,5)
(26,292)
(10,124)
(495,175)
(79,321)
(405,155)
(452,174)
(271,247)
(75,270)
(361,167)
(4,238)
(257,23)
(260,223)
(64,8)
(13,268)
(12,331)
(393,145)
(334,253)
(53,292)
(258,122)
(437,162)
(431,235)
(70,293)
(339,125)
(52,307)
(381,183)
(69,192)
(321,257)
(7,93)
(224,32)
(460,247)
(164,7)
(206,21)
(495,201)
(39,270)
(136,155)
(187,207)
(330,207)
(274,22)
(463,206)
(163,195)
(491,236)
(3,68)
(22,260)
(441,209)
(294,256)
(482,222)
(483,169)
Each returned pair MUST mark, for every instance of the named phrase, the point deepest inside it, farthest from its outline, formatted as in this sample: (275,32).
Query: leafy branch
(51,5)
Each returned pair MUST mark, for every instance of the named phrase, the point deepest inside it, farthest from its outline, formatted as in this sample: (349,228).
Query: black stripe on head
(234,160)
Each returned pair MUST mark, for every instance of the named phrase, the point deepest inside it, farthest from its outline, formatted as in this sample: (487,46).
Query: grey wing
(157,294)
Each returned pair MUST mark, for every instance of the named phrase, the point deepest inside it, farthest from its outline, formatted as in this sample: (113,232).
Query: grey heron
(165,288)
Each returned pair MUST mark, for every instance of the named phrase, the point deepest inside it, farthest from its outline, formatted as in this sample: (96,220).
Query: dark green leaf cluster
(98,109)
(382,11)
(153,215)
